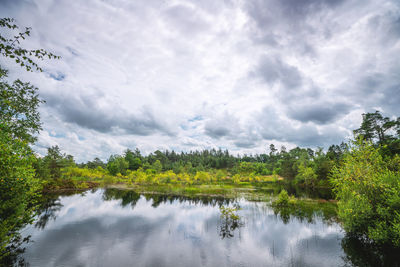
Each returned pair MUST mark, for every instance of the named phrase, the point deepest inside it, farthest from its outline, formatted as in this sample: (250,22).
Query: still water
(122,228)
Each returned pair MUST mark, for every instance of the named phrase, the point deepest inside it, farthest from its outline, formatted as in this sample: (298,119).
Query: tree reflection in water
(358,252)
(14,251)
(307,211)
(48,209)
(362,253)
(48,206)
(127,197)
(130,197)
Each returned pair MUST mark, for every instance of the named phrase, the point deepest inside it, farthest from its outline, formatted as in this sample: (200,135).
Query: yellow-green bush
(203,177)
(71,172)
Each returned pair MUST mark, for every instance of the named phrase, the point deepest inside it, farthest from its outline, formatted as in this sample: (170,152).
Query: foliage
(17,188)
(229,212)
(203,177)
(117,164)
(73,171)
(157,166)
(376,127)
(368,190)
(19,122)
(95,164)
(381,130)
(284,200)
(9,47)
(18,105)
(54,161)
(306,175)
(133,159)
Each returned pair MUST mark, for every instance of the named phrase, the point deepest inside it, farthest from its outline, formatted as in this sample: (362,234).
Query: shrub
(108,179)
(283,199)
(220,175)
(203,177)
(368,189)
(306,175)
(236,178)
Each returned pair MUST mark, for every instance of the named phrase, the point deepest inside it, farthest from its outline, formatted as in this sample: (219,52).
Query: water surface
(122,228)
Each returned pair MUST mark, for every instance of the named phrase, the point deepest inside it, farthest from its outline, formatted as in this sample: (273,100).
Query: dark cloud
(388,27)
(275,127)
(391,102)
(320,113)
(15,3)
(223,125)
(245,143)
(85,111)
(272,70)
(291,27)
(376,89)
(216,131)
(302,8)
(288,14)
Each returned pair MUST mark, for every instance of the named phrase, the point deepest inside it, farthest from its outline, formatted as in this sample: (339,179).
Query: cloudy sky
(195,74)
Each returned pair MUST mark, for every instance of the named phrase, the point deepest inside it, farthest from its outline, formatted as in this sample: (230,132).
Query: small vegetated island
(364,174)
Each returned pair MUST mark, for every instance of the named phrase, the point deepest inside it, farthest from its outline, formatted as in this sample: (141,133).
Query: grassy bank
(257,191)
(210,182)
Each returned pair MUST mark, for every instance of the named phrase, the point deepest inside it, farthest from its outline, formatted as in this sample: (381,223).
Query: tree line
(304,166)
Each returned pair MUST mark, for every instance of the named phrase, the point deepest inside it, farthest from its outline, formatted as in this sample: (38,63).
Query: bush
(284,199)
(306,175)
(220,175)
(203,177)
(117,164)
(236,178)
(368,189)
(108,180)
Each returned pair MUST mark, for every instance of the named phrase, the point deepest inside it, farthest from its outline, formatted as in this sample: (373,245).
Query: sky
(201,74)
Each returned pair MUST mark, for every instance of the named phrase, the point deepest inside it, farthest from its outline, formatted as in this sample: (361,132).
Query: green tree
(380,130)
(96,163)
(18,189)
(157,166)
(19,104)
(54,161)
(246,167)
(306,175)
(133,160)
(19,123)
(368,189)
(117,164)
(323,165)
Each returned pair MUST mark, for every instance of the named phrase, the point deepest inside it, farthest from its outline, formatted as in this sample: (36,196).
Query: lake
(111,227)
